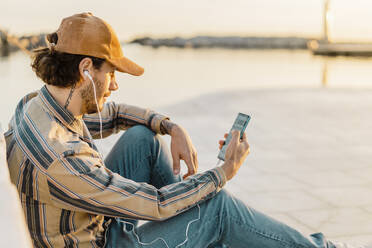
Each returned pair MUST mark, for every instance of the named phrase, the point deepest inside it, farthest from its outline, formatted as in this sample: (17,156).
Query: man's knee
(142,136)
(139,133)
(221,199)
(227,203)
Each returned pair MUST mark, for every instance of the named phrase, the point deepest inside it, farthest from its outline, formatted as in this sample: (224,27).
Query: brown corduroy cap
(86,34)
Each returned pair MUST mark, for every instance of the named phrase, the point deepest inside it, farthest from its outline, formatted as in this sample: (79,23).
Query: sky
(351,20)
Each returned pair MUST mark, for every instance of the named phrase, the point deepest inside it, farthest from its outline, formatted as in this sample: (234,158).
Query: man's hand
(236,152)
(181,148)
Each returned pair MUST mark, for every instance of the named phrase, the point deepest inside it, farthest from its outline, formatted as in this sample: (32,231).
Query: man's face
(104,80)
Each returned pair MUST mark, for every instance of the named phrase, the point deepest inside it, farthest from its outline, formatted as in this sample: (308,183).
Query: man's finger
(244,137)
(190,165)
(186,176)
(245,142)
(235,136)
(176,164)
(196,162)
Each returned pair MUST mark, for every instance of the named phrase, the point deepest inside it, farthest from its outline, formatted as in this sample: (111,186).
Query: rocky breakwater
(10,43)
(229,42)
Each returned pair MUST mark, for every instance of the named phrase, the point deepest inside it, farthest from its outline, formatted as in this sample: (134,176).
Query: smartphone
(240,123)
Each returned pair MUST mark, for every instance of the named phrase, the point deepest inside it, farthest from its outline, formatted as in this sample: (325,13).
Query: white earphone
(86,73)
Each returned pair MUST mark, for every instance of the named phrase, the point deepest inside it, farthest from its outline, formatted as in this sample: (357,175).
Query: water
(174,75)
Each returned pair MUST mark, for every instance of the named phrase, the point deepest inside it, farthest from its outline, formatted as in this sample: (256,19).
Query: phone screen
(240,124)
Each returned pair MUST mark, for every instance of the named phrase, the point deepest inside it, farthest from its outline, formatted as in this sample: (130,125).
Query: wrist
(174,129)
(227,168)
(166,127)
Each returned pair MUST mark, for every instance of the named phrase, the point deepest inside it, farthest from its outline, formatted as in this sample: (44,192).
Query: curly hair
(59,68)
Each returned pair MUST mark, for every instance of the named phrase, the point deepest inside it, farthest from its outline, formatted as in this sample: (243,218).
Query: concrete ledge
(13,229)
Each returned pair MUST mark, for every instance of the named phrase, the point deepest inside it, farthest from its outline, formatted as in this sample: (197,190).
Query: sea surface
(174,75)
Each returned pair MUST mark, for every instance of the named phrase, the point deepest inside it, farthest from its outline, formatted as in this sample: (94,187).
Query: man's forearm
(166,126)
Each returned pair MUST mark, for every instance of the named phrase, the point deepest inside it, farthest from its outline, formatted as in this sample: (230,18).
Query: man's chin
(93,110)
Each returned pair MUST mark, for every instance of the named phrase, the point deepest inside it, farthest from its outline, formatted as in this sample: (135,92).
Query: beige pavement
(311,154)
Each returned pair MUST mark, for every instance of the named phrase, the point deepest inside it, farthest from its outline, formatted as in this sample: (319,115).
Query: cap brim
(128,66)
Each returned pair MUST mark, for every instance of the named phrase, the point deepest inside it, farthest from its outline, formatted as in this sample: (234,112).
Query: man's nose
(113,85)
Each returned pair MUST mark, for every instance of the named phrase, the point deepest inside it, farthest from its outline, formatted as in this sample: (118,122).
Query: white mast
(326,17)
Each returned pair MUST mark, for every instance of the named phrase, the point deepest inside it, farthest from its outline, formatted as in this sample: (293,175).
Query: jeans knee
(144,137)
(221,198)
(223,195)
(139,133)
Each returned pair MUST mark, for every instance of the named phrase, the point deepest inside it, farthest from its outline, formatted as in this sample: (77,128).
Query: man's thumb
(176,165)
(235,136)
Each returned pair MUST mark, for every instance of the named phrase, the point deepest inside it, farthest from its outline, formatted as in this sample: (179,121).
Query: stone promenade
(311,154)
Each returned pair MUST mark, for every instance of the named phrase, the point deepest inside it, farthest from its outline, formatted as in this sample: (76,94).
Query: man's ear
(85,64)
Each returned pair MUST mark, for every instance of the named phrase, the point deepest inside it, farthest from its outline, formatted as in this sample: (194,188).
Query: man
(72,198)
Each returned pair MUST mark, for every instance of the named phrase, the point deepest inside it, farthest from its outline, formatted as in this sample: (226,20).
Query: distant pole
(326,21)
(325,73)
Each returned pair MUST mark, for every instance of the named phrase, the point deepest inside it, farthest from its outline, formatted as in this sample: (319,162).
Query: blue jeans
(225,221)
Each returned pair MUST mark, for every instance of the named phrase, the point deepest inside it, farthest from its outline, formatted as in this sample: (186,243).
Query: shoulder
(44,138)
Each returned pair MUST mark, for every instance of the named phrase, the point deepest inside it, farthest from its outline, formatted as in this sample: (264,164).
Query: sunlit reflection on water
(174,75)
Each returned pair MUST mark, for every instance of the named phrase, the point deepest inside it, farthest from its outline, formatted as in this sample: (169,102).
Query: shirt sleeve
(81,183)
(117,117)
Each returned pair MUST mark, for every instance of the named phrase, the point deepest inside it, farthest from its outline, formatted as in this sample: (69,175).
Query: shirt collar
(62,114)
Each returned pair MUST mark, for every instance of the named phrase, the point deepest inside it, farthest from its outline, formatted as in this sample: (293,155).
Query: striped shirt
(64,186)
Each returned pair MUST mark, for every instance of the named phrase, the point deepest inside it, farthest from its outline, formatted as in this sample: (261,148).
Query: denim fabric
(225,221)
(142,156)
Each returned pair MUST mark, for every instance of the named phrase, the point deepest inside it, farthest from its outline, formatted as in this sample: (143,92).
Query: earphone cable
(160,238)
(137,237)
(99,112)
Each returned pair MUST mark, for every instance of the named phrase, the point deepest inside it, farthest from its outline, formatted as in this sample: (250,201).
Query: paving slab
(283,201)
(345,196)
(332,221)
(330,178)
